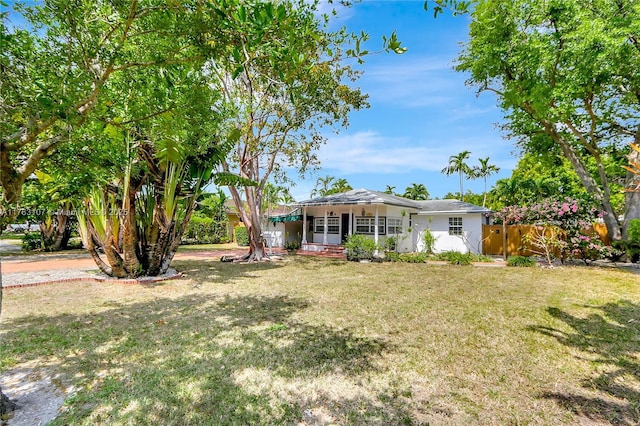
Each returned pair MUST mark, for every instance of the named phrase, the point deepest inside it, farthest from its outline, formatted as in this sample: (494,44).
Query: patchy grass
(317,341)
(200,247)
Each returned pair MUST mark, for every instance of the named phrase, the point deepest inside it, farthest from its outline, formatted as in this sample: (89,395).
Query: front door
(345,226)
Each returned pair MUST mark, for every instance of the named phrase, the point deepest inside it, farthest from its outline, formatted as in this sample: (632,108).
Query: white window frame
(455,226)
(394,226)
(368,223)
(333,225)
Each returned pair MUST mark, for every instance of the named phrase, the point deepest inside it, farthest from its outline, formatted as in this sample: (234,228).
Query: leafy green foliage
(242,236)
(563,75)
(457,164)
(429,241)
(454,257)
(360,247)
(32,241)
(521,261)
(390,243)
(205,230)
(416,191)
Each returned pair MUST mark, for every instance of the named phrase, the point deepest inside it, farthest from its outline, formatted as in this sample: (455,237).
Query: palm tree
(483,171)
(457,165)
(339,185)
(323,186)
(416,191)
(390,190)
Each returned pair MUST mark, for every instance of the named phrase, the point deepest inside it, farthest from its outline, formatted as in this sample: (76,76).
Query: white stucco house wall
(329,220)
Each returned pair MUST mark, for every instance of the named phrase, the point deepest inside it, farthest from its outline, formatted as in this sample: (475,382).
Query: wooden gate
(494,242)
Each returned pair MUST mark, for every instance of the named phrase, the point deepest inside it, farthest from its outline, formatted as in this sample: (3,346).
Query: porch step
(329,251)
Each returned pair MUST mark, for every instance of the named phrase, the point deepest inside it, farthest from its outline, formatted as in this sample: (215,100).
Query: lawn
(315,341)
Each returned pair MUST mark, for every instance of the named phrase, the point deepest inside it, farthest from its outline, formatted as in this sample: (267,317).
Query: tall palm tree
(390,190)
(457,165)
(339,185)
(416,191)
(323,186)
(483,171)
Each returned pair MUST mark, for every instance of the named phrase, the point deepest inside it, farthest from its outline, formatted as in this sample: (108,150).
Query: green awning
(289,218)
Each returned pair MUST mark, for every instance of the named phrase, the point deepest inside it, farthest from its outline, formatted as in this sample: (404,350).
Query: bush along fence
(494,241)
(552,229)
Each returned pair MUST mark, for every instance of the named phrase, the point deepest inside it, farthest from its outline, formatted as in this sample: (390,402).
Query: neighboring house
(329,220)
(233,218)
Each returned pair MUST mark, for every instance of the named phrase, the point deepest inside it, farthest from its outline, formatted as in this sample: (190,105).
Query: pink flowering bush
(570,216)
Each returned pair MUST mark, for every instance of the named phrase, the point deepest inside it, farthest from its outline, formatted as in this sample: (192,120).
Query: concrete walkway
(77,265)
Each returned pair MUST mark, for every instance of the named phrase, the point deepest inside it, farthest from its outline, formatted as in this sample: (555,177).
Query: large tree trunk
(55,231)
(609,215)
(251,221)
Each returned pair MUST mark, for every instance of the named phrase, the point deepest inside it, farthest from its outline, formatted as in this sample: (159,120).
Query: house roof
(358,197)
(449,206)
(366,196)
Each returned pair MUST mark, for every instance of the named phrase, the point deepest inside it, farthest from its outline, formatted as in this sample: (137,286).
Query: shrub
(391,256)
(633,244)
(32,241)
(429,241)
(242,236)
(359,247)
(521,261)
(291,245)
(204,230)
(454,257)
(390,244)
(414,257)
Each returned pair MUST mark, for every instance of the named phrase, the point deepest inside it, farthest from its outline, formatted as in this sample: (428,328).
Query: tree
(136,215)
(457,165)
(57,61)
(339,186)
(390,190)
(565,76)
(284,79)
(416,191)
(483,171)
(323,186)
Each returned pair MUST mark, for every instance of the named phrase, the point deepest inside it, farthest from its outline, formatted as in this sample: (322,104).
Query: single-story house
(329,220)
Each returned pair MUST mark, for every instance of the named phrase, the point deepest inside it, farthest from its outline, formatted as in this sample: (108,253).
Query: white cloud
(414,83)
(371,152)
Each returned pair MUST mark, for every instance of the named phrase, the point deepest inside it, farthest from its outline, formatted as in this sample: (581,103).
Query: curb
(106,280)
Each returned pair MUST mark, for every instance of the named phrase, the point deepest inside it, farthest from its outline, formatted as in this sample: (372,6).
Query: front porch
(334,251)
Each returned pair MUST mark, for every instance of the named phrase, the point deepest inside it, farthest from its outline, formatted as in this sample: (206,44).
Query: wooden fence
(494,242)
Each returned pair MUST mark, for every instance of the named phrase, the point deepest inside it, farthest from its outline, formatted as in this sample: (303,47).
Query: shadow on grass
(202,359)
(611,334)
(209,270)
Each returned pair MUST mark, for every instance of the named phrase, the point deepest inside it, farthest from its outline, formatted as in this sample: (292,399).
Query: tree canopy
(566,76)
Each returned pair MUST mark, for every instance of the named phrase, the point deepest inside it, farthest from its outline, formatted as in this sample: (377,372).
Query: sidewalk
(39,269)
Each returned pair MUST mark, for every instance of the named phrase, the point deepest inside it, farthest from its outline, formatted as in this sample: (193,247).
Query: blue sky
(421,110)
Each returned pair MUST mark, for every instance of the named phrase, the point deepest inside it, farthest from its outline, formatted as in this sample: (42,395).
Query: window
(366,225)
(333,225)
(455,226)
(394,225)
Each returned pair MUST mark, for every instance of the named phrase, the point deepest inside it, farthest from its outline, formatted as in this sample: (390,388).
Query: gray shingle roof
(359,196)
(366,196)
(449,206)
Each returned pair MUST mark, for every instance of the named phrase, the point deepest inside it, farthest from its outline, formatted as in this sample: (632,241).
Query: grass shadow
(222,272)
(610,337)
(202,359)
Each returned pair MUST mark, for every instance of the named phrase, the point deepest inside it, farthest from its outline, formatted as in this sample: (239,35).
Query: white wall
(273,233)
(470,241)
(405,244)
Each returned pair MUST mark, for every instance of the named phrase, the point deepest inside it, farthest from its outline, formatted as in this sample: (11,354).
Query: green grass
(6,236)
(201,247)
(332,342)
